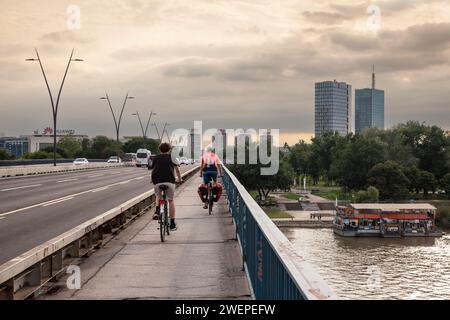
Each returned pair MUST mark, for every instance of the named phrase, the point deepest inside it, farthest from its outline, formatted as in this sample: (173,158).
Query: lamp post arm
(62,82)
(46,82)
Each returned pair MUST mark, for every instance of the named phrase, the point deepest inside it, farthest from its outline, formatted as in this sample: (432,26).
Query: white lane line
(116,172)
(67,180)
(140,178)
(96,175)
(50,201)
(24,187)
(99,189)
(55,202)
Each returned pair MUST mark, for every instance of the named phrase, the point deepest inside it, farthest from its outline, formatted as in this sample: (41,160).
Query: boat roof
(392,206)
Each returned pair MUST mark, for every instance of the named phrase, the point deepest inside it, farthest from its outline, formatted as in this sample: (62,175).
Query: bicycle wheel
(166,215)
(162,226)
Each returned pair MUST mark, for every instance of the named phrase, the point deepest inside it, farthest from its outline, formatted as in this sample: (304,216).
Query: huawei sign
(47,130)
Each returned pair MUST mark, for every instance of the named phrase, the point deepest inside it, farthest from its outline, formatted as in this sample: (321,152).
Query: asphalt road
(35,209)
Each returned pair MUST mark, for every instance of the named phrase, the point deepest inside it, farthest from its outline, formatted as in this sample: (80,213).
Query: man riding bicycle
(163,166)
(210,166)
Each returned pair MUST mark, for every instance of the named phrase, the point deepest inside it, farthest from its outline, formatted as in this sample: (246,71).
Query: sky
(231,64)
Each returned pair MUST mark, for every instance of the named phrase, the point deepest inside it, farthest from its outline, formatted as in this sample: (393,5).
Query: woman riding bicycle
(209,168)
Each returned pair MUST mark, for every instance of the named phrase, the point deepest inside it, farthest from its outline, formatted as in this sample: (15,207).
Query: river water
(377,268)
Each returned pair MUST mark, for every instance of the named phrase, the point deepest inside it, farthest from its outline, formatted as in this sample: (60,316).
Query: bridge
(98,219)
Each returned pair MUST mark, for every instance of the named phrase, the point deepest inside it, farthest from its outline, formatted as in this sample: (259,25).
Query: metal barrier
(22,276)
(274,268)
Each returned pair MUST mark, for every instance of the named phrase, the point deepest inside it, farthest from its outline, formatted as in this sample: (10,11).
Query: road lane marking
(140,178)
(67,180)
(50,201)
(24,187)
(99,189)
(55,202)
(116,172)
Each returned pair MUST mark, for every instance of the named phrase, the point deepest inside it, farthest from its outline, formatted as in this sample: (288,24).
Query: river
(377,268)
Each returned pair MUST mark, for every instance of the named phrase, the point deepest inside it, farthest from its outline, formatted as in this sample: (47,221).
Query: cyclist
(163,166)
(210,166)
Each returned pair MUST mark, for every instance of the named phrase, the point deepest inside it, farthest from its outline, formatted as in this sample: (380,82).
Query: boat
(388,220)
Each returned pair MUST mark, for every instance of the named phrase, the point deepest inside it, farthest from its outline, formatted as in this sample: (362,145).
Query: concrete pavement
(201,260)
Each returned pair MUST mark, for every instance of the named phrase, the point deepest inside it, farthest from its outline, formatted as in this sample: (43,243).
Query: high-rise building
(332,107)
(194,145)
(219,141)
(369,107)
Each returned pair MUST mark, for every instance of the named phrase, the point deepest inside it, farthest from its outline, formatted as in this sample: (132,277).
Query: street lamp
(164,130)
(140,123)
(157,131)
(144,132)
(116,123)
(54,105)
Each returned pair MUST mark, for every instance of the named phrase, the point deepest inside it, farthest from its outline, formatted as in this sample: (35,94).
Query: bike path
(201,260)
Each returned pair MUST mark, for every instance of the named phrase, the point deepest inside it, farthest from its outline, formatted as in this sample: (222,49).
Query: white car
(114,159)
(184,160)
(80,161)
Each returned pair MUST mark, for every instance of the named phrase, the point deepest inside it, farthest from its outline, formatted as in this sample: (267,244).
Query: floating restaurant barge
(386,220)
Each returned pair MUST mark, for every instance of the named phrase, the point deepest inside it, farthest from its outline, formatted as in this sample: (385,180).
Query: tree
(370,195)
(103,147)
(389,179)
(131,146)
(4,155)
(70,145)
(445,184)
(427,182)
(40,155)
(250,176)
(323,150)
(412,173)
(356,159)
(298,159)
(59,151)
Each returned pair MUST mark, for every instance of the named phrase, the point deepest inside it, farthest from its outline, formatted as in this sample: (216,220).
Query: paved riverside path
(201,260)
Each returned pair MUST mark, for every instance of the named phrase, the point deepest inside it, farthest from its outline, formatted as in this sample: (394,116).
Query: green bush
(443,217)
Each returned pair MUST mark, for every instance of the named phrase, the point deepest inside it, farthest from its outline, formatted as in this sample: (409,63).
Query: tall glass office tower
(369,108)
(333,107)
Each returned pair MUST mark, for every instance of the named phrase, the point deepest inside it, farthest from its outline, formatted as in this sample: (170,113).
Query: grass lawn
(291,196)
(275,213)
(333,193)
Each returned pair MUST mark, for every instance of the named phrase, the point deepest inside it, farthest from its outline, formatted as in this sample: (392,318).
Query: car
(78,161)
(184,160)
(114,159)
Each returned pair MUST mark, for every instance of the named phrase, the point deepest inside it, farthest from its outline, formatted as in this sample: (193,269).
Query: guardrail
(45,169)
(33,162)
(23,275)
(274,268)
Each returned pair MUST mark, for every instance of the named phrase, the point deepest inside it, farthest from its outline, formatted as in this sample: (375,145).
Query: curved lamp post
(117,123)
(54,105)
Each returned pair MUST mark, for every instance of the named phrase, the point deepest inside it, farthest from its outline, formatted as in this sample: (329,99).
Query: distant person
(210,167)
(163,167)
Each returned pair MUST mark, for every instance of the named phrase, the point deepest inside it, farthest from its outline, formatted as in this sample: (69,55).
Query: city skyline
(252,63)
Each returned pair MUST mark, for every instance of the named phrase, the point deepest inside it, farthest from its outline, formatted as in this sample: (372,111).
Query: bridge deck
(200,260)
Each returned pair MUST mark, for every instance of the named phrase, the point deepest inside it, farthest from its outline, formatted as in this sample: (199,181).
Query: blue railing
(275,270)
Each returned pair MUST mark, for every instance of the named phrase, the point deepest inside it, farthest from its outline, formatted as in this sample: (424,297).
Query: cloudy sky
(232,64)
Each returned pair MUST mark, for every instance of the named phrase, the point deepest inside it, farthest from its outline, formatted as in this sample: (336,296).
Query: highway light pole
(54,105)
(144,132)
(157,131)
(116,123)
(164,130)
(140,123)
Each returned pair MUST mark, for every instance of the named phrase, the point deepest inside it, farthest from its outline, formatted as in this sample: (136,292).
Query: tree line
(376,165)
(99,147)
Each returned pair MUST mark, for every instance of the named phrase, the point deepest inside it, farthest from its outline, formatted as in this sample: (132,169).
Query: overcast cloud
(229,63)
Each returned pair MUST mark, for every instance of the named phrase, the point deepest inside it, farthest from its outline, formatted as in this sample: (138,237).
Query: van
(142,157)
